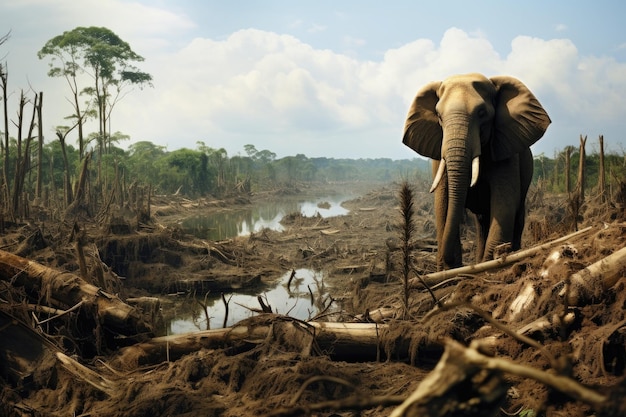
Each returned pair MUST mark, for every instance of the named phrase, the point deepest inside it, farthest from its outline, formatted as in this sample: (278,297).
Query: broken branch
(436,277)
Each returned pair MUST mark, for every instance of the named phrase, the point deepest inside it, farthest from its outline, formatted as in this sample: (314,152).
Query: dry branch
(459,364)
(63,290)
(82,373)
(437,277)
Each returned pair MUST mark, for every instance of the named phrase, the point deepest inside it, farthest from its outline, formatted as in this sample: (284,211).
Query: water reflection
(296,302)
(241,222)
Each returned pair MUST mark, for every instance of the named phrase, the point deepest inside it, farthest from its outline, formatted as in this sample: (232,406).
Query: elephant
(478,132)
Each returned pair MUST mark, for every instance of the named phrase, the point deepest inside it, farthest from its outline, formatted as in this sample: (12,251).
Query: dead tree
(5,167)
(580,186)
(67,185)
(578,198)
(568,167)
(38,187)
(22,160)
(601,174)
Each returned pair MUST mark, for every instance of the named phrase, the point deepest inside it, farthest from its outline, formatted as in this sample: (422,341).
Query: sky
(328,78)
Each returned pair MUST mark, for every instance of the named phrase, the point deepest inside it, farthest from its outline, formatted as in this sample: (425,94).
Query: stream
(295,301)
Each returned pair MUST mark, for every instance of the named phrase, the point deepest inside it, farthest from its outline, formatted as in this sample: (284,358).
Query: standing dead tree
(577,199)
(62,132)
(568,164)
(22,160)
(601,174)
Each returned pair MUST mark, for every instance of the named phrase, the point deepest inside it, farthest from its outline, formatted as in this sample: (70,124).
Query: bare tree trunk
(18,155)
(342,340)
(67,186)
(82,180)
(22,161)
(568,167)
(580,186)
(38,188)
(601,174)
(5,168)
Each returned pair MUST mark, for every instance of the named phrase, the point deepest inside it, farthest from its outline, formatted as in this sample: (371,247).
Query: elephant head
(464,118)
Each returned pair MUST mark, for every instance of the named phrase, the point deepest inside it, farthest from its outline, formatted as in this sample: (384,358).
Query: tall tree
(4,76)
(106,59)
(4,146)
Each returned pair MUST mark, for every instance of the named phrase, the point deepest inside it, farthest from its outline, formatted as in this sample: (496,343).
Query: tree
(5,146)
(106,59)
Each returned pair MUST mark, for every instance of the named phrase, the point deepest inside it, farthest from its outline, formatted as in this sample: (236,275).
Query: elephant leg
(520,219)
(504,205)
(481,222)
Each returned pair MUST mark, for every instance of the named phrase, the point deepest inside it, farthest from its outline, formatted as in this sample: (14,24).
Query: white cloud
(560,27)
(282,94)
(262,86)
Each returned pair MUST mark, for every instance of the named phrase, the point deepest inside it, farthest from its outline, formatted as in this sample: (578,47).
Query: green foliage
(552,171)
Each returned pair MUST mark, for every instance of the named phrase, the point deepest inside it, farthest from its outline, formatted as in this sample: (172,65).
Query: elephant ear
(422,131)
(519,119)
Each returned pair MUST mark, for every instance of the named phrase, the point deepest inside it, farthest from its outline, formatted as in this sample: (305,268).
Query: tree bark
(591,282)
(64,290)
(601,174)
(342,341)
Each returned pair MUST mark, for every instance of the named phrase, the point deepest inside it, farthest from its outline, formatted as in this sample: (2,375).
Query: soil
(149,258)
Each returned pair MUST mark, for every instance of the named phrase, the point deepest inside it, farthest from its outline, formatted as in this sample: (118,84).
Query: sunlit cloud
(272,85)
(289,96)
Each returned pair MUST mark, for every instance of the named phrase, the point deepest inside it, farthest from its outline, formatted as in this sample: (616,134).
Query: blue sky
(330,78)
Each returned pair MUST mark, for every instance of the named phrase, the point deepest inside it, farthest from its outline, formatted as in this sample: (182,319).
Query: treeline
(199,172)
(601,170)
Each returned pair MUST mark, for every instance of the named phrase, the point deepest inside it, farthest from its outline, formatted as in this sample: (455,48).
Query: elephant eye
(482,113)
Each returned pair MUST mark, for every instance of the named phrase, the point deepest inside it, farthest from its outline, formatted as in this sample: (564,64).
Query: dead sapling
(407,230)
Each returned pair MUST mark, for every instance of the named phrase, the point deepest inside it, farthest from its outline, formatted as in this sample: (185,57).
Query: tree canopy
(107,60)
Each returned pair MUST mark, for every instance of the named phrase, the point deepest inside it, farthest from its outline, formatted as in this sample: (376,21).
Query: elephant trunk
(460,160)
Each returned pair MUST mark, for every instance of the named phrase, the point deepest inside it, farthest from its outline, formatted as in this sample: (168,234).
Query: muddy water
(295,301)
(242,222)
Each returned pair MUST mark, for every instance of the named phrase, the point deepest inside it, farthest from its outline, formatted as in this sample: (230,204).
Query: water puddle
(242,222)
(296,302)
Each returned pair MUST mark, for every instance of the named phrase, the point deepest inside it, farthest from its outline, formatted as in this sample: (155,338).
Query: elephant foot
(502,249)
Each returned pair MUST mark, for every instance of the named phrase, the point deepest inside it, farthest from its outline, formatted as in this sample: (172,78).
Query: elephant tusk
(440,170)
(475,165)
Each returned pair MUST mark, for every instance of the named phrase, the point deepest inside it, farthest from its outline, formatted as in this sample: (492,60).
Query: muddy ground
(361,256)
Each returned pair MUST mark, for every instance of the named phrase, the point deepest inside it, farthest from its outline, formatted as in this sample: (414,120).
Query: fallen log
(504,260)
(64,290)
(341,341)
(591,282)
